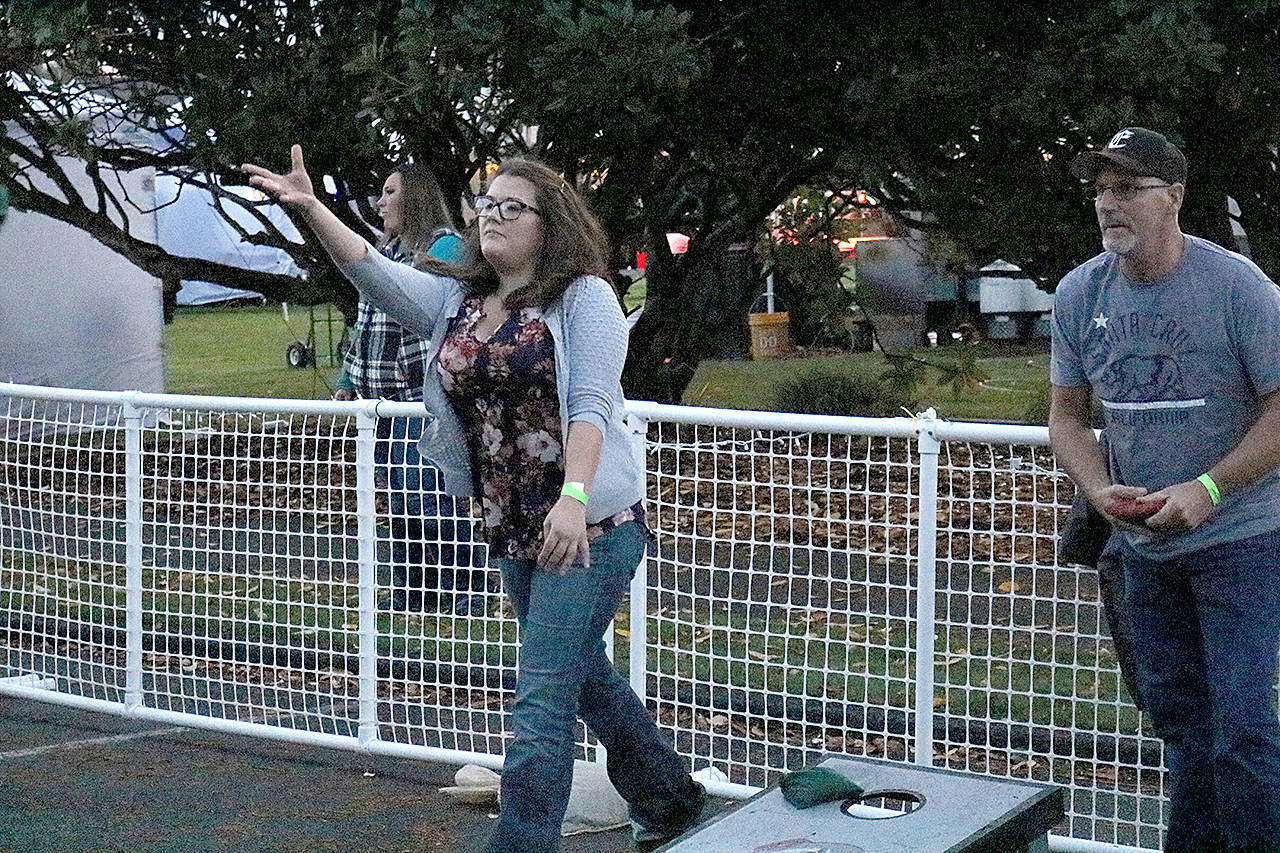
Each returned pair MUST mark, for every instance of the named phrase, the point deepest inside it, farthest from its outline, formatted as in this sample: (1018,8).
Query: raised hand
(294,189)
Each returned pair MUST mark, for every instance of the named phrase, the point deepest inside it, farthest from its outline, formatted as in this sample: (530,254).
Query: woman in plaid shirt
(385,361)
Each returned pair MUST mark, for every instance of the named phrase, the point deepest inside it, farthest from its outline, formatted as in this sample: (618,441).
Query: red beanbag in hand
(1132,509)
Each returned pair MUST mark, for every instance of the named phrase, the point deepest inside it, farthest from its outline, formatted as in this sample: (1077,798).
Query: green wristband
(575,491)
(1215,496)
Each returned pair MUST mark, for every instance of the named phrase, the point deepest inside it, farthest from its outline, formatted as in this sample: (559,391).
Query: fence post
(926,582)
(366,561)
(132,555)
(638,624)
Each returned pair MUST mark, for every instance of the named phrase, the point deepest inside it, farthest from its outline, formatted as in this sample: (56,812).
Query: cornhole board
(953,813)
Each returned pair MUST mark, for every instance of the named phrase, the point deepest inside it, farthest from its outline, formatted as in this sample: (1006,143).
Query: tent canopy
(188,223)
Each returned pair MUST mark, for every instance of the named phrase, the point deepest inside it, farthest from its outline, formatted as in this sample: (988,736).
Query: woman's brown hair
(573,241)
(424,208)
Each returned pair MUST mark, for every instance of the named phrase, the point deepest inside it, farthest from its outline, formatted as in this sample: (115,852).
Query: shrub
(821,392)
(1038,411)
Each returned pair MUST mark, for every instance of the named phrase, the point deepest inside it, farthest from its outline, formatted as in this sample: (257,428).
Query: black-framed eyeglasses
(1122,190)
(508,210)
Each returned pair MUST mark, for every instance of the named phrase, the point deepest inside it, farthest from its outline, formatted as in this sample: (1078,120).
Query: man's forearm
(1257,453)
(1074,444)
(1078,451)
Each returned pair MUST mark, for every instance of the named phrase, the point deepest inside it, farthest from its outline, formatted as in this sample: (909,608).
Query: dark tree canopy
(221,82)
(674,116)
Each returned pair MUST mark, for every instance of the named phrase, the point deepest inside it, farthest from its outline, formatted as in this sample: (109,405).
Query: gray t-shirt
(1179,366)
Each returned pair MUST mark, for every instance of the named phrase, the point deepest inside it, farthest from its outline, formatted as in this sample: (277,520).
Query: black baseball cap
(1138,150)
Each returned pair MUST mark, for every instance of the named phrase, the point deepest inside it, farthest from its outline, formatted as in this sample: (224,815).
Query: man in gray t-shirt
(1178,340)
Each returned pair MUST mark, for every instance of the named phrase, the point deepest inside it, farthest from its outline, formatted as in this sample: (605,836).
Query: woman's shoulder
(589,286)
(589,296)
(447,245)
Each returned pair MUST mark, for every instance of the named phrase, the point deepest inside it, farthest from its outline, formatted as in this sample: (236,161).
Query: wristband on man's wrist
(1215,496)
(577,491)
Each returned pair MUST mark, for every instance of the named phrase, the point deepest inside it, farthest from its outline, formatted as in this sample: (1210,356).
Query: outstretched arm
(295,189)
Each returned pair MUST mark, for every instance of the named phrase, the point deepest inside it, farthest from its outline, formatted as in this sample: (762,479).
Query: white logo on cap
(1118,140)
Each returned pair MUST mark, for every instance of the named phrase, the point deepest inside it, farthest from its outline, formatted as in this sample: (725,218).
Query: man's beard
(1121,242)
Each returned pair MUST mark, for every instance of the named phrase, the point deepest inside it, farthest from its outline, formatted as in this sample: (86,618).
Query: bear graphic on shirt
(1143,378)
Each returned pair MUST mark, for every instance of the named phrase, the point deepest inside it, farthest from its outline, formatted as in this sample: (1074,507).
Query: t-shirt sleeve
(1255,313)
(450,249)
(1066,368)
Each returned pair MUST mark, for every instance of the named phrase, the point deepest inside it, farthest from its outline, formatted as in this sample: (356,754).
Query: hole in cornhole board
(882,805)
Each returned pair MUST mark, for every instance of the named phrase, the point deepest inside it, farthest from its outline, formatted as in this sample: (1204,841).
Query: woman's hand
(294,189)
(564,537)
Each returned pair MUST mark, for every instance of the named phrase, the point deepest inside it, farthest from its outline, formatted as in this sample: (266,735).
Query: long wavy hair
(424,208)
(573,241)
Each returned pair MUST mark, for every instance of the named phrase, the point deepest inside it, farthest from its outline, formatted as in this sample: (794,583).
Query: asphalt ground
(73,781)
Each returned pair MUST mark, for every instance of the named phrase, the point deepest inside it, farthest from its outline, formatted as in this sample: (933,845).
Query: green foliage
(799,247)
(820,392)
(903,375)
(669,115)
(807,281)
(962,371)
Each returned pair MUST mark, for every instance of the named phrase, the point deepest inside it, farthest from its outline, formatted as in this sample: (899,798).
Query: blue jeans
(564,673)
(430,530)
(1206,631)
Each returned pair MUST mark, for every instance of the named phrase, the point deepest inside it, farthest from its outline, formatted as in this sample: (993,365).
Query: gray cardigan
(590,337)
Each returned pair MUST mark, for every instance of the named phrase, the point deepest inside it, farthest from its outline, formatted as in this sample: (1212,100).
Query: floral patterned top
(504,391)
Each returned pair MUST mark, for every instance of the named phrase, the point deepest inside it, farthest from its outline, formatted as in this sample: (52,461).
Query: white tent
(189,224)
(73,312)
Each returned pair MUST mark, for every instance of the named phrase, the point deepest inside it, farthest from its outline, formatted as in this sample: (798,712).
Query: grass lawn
(240,352)
(1019,376)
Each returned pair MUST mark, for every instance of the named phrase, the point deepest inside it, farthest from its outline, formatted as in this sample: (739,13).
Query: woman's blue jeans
(563,674)
(1206,630)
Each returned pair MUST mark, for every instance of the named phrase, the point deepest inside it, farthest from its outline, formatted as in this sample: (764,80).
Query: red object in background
(678,244)
(1133,509)
(850,247)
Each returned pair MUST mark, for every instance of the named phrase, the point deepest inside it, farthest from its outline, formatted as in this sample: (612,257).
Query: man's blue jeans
(564,673)
(1206,631)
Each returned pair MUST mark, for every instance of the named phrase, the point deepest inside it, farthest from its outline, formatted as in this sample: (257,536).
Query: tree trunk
(695,307)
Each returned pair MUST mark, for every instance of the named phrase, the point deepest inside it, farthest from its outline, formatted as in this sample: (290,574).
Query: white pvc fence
(880,587)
